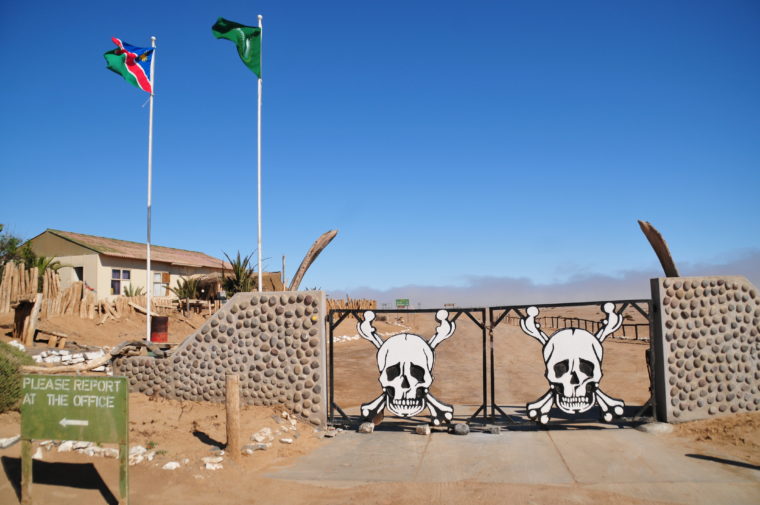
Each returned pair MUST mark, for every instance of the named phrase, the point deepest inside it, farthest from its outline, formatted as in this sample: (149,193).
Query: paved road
(624,461)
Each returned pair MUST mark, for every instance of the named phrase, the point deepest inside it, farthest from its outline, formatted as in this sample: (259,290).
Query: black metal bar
(340,411)
(490,334)
(481,325)
(331,371)
(340,319)
(645,314)
(570,304)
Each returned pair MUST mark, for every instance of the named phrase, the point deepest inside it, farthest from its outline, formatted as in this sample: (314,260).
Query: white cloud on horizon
(480,291)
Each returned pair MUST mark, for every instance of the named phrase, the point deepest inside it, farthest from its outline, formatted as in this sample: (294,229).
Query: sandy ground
(189,430)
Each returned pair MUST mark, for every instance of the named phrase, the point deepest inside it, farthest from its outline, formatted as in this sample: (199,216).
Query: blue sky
(446,141)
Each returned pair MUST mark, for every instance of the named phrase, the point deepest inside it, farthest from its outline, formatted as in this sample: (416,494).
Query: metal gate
(476,315)
(560,316)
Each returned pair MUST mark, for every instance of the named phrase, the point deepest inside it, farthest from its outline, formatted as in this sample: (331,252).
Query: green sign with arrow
(74,408)
(64,407)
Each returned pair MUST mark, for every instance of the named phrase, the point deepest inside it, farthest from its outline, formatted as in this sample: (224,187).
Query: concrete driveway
(618,460)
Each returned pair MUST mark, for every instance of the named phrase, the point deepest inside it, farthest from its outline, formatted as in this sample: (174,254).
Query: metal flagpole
(261,35)
(148,283)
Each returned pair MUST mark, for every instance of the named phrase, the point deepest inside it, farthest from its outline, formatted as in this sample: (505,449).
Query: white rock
(263,435)
(9,441)
(656,428)
(150,455)
(110,452)
(18,345)
(422,429)
(76,360)
(171,465)
(134,460)
(293,422)
(81,445)
(212,459)
(214,466)
(37,453)
(136,450)
(366,428)
(63,352)
(52,359)
(286,440)
(185,461)
(66,446)
(101,368)
(37,358)
(94,355)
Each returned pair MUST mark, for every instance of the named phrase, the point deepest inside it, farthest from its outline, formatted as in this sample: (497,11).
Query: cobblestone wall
(275,342)
(706,347)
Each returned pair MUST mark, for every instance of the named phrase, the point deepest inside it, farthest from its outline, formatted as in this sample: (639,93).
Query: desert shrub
(133,291)
(11,359)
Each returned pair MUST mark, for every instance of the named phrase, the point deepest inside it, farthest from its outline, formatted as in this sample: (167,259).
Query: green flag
(246,38)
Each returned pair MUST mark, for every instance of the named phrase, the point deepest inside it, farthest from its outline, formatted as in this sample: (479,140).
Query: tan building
(108,265)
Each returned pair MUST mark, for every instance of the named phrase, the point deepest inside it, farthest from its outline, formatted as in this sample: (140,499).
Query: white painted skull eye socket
(393,371)
(586,367)
(561,368)
(418,372)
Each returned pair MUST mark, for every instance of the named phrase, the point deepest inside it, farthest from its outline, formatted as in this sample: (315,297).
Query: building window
(119,281)
(160,284)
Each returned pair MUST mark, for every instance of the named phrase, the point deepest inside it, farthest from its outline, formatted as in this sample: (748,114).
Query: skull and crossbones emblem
(573,360)
(405,362)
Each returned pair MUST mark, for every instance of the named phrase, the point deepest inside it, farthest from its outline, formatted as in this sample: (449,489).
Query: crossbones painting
(405,362)
(573,359)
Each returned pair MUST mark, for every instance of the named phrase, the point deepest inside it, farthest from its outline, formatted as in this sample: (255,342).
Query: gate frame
(648,313)
(358,315)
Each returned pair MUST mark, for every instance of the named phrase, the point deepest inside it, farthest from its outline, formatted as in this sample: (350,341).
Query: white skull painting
(573,360)
(405,362)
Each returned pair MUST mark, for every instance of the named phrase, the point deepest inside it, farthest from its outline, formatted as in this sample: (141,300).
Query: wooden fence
(351,304)
(17,284)
(20,285)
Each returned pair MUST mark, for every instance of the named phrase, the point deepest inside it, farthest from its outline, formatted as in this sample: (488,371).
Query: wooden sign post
(59,407)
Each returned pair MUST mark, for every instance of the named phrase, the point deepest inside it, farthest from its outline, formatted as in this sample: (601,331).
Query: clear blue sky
(444,140)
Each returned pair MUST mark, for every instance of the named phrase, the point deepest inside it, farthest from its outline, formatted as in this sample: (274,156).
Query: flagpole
(148,283)
(259,150)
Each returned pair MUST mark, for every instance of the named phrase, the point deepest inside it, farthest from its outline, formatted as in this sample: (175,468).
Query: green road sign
(58,407)
(402,302)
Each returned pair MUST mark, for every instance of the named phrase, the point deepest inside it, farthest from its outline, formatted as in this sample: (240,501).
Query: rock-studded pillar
(707,346)
(275,342)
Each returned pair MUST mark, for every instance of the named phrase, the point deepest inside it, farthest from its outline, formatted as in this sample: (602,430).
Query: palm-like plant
(134,291)
(186,288)
(240,278)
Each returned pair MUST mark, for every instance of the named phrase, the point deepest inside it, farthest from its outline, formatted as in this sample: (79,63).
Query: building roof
(136,250)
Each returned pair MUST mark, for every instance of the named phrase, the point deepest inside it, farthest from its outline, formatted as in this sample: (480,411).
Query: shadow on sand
(76,475)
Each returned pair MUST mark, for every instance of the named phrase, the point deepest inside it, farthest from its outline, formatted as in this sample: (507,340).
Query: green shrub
(10,377)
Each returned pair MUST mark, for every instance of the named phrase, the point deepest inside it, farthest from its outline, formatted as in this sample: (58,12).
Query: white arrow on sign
(73,422)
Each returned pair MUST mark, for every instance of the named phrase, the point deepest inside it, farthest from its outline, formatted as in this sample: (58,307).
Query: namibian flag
(132,63)
(247,39)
